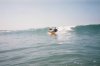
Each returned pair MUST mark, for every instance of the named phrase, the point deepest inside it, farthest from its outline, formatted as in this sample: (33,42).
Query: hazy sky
(24,14)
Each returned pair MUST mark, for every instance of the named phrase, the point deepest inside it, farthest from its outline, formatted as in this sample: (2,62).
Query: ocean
(73,46)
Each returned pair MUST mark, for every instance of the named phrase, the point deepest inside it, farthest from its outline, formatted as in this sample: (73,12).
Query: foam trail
(64,29)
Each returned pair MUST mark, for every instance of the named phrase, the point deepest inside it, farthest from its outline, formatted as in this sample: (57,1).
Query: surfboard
(52,33)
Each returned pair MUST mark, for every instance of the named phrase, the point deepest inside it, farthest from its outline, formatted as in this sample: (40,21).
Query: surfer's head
(50,28)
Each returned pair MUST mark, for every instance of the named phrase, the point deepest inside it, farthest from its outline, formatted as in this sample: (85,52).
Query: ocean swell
(81,29)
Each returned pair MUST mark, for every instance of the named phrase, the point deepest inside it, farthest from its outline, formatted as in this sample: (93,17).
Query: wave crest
(82,29)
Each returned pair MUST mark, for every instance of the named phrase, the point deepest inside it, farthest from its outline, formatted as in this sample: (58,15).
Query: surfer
(52,31)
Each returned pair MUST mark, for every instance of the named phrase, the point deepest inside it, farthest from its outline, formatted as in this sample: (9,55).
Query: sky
(25,14)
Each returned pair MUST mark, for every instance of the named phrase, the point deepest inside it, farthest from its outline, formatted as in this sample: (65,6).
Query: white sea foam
(64,29)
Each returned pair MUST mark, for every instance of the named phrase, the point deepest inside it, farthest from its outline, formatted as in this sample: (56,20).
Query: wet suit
(55,30)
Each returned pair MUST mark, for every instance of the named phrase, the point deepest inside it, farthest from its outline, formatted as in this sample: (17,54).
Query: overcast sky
(24,14)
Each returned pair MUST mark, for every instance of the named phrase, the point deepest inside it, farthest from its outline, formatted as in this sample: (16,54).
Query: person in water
(54,29)
(52,32)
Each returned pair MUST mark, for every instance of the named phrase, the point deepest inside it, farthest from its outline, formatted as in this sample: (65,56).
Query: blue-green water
(77,47)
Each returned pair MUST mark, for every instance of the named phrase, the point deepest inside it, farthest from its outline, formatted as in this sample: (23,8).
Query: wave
(80,29)
(87,29)
(29,31)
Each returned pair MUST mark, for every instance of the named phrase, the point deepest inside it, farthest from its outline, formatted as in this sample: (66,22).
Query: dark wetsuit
(55,30)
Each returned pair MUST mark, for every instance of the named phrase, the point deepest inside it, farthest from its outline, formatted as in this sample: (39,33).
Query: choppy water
(78,47)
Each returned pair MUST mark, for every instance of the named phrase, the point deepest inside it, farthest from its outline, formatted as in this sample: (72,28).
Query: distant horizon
(45,27)
(25,14)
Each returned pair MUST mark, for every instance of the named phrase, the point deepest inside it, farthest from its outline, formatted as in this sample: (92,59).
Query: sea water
(79,46)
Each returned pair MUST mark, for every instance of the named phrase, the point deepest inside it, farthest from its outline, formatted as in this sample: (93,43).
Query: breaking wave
(80,29)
